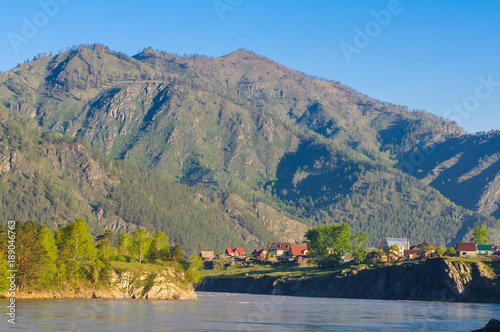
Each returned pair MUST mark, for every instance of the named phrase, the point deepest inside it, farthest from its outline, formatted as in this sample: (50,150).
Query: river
(245,312)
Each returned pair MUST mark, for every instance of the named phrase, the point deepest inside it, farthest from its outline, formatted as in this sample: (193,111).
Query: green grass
(242,269)
(137,267)
(474,259)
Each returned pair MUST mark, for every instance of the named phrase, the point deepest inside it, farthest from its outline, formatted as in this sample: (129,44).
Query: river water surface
(245,312)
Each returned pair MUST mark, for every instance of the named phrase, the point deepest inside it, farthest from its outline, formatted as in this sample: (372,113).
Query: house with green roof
(484,249)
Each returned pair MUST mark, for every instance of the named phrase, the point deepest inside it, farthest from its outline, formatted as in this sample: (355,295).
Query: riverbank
(126,281)
(437,279)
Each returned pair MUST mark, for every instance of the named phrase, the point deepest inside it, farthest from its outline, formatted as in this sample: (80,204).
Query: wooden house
(207,256)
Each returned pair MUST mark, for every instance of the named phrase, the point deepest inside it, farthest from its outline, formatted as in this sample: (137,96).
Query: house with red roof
(298,253)
(411,253)
(465,249)
(260,253)
(235,252)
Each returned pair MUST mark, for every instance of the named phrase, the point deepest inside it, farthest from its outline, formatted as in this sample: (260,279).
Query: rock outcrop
(492,326)
(168,285)
(433,280)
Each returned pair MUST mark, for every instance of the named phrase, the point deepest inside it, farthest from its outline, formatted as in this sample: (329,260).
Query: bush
(439,251)
(450,251)
(121,258)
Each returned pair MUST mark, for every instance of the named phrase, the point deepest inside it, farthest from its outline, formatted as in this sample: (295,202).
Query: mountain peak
(243,54)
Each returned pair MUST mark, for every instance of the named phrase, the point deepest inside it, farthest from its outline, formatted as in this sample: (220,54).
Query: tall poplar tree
(159,247)
(141,242)
(48,256)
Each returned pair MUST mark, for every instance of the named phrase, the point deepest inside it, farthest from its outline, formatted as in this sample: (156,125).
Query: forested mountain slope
(55,179)
(465,169)
(244,126)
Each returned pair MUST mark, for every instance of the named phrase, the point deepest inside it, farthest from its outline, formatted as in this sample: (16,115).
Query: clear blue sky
(430,55)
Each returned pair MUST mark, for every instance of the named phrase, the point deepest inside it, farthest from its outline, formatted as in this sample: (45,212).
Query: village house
(392,255)
(411,253)
(465,249)
(426,244)
(280,248)
(344,260)
(235,252)
(484,250)
(297,251)
(372,256)
(260,254)
(402,243)
(207,256)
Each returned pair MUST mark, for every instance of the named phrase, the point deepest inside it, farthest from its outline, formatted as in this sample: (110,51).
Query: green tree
(439,251)
(358,248)
(140,242)
(426,248)
(450,251)
(480,235)
(96,269)
(103,244)
(192,272)
(125,243)
(106,237)
(329,243)
(75,246)
(4,267)
(159,247)
(75,241)
(394,247)
(177,255)
(28,253)
(48,257)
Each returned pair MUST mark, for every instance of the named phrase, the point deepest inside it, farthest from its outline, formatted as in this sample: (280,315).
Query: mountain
(255,132)
(465,169)
(54,179)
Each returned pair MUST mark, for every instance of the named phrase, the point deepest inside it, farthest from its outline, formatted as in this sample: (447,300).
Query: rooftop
(299,250)
(400,242)
(466,246)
